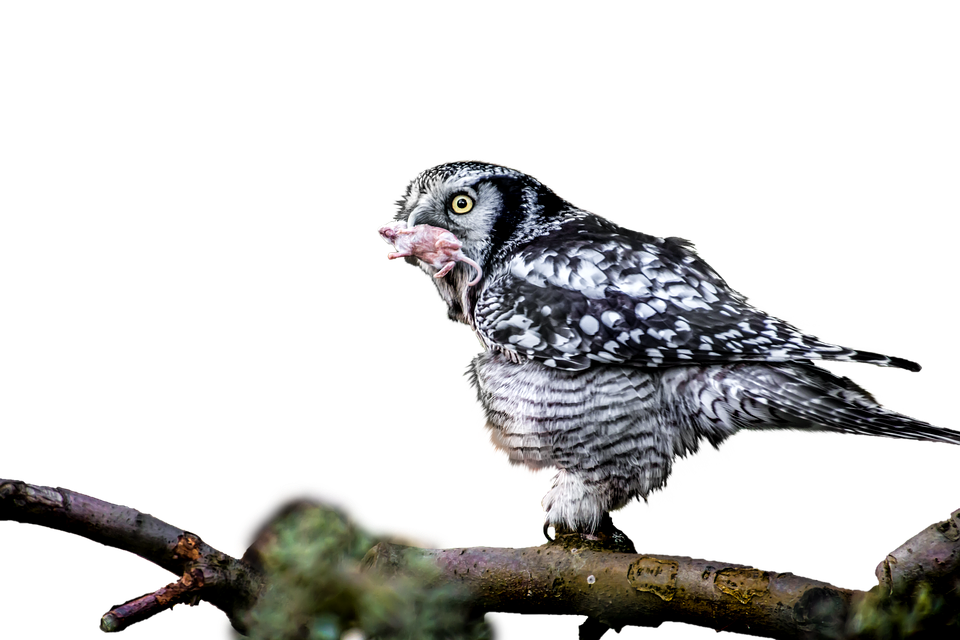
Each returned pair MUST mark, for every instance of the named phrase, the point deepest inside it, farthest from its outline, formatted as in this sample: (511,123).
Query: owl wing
(591,292)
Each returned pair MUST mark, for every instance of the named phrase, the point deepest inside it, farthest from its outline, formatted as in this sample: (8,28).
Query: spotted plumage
(610,352)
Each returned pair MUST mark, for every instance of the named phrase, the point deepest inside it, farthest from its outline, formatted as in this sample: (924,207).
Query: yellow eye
(461,203)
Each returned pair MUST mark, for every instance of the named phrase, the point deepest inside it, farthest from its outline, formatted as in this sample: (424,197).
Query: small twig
(185,590)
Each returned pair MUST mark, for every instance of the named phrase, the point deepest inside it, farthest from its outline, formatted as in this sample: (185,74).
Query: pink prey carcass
(437,247)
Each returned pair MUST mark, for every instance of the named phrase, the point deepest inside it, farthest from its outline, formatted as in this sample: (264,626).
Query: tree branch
(563,577)
(619,589)
(227,583)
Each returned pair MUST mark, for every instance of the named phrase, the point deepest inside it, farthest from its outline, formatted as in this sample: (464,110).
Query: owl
(609,352)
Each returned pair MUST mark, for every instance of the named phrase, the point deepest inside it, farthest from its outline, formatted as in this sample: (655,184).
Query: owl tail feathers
(806,397)
(878,359)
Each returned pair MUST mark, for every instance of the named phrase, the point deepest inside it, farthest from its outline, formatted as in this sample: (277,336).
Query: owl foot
(605,537)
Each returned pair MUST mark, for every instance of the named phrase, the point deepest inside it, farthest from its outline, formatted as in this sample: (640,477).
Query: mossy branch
(310,542)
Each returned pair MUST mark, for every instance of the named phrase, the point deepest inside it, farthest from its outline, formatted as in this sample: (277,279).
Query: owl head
(491,209)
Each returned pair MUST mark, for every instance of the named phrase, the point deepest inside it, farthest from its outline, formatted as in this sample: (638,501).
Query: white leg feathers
(572,504)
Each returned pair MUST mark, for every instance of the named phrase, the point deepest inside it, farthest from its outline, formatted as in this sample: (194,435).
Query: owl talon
(605,537)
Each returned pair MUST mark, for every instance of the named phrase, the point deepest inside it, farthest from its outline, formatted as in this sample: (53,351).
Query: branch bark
(619,589)
(931,556)
(562,577)
(205,573)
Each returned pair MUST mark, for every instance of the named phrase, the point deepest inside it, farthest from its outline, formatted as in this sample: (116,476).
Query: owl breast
(603,423)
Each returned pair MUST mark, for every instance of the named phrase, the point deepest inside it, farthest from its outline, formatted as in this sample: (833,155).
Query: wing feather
(592,293)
